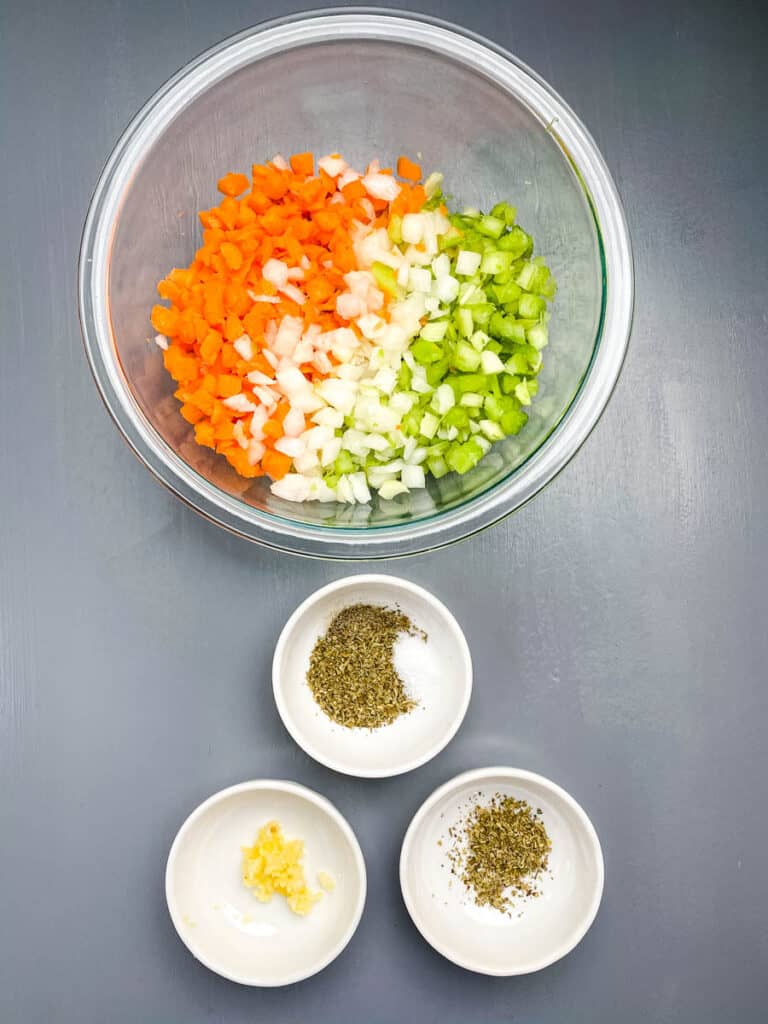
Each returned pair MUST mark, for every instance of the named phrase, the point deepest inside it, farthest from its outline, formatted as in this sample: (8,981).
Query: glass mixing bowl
(366,83)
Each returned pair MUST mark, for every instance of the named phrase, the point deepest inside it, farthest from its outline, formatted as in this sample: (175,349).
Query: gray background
(617,623)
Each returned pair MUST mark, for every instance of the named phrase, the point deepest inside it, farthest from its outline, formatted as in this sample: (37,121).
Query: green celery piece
(386,279)
(461,458)
(495,262)
(436,372)
(437,466)
(526,276)
(504,277)
(344,463)
(332,480)
(522,394)
(404,377)
(491,430)
(481,313)
(395,229)
(490,226)
(533,386)
(507,292)
(464,323)
(508,383)
(472,401)
(465,357)
(450,239)
(505,212)
(456,417)
(479,340)
(464,382)
(504,327)
(531,306)
(411,422)
(516,242)
(426,352)
(434,330)
(434,201)
(512,422)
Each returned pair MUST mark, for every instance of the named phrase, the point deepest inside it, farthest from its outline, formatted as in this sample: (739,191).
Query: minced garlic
(326,880)
(273,865)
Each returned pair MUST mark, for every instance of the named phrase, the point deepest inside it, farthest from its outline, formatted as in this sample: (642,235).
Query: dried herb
(500,852)
(352,674)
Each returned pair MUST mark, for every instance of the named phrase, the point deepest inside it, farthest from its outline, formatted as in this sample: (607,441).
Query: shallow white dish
(436,672)
(540,930)
(223,924)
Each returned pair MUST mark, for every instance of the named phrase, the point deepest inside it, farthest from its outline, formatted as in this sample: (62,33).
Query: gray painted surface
(618,623)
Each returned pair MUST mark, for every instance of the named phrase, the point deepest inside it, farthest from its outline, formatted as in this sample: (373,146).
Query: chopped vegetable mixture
(343,332)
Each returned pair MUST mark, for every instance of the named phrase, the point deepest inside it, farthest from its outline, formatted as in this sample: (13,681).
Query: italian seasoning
(352,673)
(500,852)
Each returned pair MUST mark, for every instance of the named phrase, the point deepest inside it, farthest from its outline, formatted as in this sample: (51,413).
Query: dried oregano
(352,674)
(500,851)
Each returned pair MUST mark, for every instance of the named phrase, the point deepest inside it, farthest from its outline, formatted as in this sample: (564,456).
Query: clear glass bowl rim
(578,147)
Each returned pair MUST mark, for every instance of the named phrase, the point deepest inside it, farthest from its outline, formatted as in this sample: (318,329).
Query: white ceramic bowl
(437,673)
(223,924)
(540,930)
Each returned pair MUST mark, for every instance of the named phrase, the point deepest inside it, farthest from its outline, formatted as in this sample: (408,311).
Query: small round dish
(223,924)
(436,672)
(539,931)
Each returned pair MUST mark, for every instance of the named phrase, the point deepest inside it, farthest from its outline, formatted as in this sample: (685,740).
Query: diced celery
(463,320)
(461,458)
(404,377)
(425,352)
(471,400)
(395,228)
(385,278)
(491,226)
(512,422)
(538,335)
(490,362)
(522,393)
(433,331)
(437,466)
(495,262)
(516,242)
(450,239)
(344,464)
(436,372)
(508,383)
(464,382)
(504,212)
(456,417)
(433,184)
(465,357)
(531,305)
(508,292)
(479,340)
(481,313)
(504,327)
(491,430)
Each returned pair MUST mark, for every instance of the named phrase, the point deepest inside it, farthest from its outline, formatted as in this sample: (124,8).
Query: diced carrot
(210,347)
(408,169)
(303,163)
(204,434)
(165,320)
(233,328)
(229,384)
(233,184)
(354,190)
(191,413)
(276,464)
(232,255)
